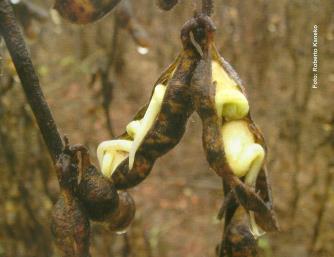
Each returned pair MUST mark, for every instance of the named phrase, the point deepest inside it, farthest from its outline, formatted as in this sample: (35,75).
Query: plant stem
(207,7)
(17,48)
(321,212)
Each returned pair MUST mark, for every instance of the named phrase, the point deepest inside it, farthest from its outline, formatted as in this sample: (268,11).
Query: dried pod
(124,214)
(84,11)
(97,193)
(245,150)
(238,240)
(233,144)
(69,225)
(166,4)
(161,124)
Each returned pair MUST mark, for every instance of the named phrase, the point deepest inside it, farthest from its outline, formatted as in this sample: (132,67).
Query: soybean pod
(250,165)
(238,239)
(233,144)
(69,223)
(169,125)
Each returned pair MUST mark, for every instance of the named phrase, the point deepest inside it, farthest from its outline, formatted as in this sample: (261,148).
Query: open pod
(245,155)
(96,192)
(158,127)
(234,146)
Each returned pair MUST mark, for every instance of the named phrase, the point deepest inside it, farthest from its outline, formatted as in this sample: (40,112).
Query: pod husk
(203,94)
(169,125)
(97,193)
(238,240)
(69,223)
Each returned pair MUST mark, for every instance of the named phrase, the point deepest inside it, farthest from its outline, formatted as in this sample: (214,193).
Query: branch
(207,7)
(321,212)
(17,48)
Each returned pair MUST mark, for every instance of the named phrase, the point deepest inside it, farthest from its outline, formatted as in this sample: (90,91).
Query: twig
(207,7)
(29,80)
(107,86)
(321,211)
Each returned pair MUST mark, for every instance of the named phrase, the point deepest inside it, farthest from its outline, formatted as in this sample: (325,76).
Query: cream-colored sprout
(254,228)
(111,153)
(245,158)
(106,165)
(133,127)
(140,129)
(231,104)
(230,101)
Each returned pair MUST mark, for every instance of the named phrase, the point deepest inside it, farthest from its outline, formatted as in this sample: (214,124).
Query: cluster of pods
(92,197)
(199,80)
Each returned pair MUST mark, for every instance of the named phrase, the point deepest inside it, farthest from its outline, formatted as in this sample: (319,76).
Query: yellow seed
(231,103)
(244,156)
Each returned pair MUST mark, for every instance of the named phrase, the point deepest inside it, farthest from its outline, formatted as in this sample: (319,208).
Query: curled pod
(112,153)
(234,146)
(69,222)
(203,96)
(166,4)
(97,193)
(84,11)
(238,240)
(164,122)
(124,214)
(245,149)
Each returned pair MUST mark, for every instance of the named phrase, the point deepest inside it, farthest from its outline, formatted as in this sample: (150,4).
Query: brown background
(269,43)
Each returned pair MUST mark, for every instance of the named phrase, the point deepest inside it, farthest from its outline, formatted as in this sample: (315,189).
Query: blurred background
(96,77)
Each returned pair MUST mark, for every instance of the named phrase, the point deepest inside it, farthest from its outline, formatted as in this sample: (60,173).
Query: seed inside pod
(230,101)
(244,156)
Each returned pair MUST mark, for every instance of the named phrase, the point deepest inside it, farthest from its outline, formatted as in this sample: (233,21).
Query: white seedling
(244,156)
(146,122)
(230,101)
(111,153)
(133,127)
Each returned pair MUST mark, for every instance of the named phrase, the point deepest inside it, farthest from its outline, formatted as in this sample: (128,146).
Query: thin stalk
(207,7)
(321,211)
(17,48)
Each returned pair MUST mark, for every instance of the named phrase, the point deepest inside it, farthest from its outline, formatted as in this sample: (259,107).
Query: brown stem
(321,211)
(17,48)
(207,7)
